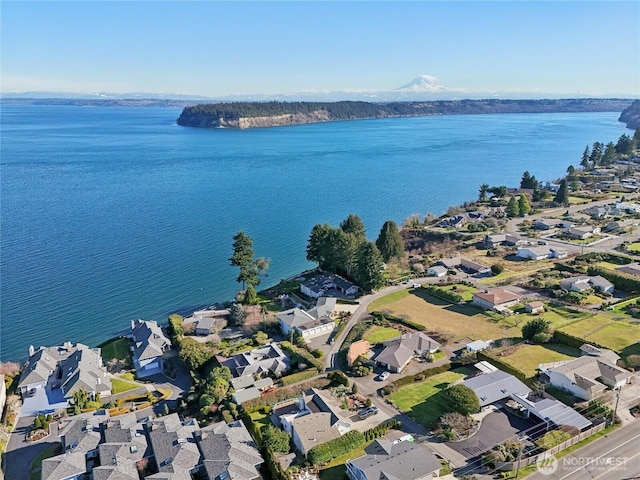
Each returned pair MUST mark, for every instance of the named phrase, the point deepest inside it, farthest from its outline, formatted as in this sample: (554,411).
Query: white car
(383,376)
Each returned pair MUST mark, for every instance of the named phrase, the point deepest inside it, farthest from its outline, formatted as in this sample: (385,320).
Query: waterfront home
(398,352)
(404,460)
(209,320)
(54,374)
(311,323)
(588,376)
(328,284)
(149,346)
(495,298)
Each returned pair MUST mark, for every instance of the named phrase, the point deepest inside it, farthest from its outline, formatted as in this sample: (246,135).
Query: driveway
(494,429)
(20,453)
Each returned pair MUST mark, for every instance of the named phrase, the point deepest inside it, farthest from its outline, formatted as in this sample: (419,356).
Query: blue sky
(219,48)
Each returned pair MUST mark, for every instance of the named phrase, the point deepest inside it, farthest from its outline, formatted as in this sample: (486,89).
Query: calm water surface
(114,214)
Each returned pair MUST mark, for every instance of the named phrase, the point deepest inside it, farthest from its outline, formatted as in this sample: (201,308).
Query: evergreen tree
(609,154)
(318,246)
(368,271)
(625,145)
(390,242)
(484,189)
(528,181)
(523,205)
(353,225)
(243,258)
(513,209)
(571,171)
(562,197)
(585,158)
(250,296)
(237,314)
(596,154)
(636,139)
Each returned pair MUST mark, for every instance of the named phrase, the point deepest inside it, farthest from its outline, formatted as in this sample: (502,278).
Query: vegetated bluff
(631,115)
(273,114)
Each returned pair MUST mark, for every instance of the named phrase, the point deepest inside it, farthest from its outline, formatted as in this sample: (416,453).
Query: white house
(583,232)
(583,283)
(588,376)
(437,271)
(312,323)
(478,345)
(541,252)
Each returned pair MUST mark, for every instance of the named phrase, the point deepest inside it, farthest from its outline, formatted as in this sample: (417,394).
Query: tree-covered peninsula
(270,114)
(631,115)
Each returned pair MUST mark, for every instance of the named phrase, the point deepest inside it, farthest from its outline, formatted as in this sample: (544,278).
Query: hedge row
(270,458)
(573,341)
(402,321)
(448,295)
(334,448)
(519,374)
(382,429)
(418,377)
(622,281)
(294,351)
(299,376)
(281,394)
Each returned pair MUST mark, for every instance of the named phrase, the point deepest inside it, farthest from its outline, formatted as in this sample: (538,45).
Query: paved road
(614,457)
(20,453)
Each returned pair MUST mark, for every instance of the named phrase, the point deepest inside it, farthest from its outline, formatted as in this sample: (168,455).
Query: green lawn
(425,401)
(634,247)
(379,334)
(560,316)
(619,308)
(117,348)
(528,357)
(617,335)
(336,469)
(465,291)
(118,385)
(387,299)
(574,200)
(261,419)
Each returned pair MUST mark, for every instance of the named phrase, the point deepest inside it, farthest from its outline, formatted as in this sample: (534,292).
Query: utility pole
(615,410)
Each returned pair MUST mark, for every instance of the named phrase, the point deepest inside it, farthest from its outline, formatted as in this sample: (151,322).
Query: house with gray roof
(398,352)
(385,460)
(583,283)
(259,363)
(630,268)
(320,320)
(149,346)
(588,376)
(328,284)
(495,386)
(552,412)
(54,374)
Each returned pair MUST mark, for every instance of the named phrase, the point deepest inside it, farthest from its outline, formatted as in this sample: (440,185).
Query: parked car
(383,376)
(368,411)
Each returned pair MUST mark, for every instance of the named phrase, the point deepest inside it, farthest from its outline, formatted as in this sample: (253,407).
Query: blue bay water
(114,214)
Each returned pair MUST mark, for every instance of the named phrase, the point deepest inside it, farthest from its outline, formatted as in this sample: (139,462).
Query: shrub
(334,448)
(298,354)
(276,439)
(497,269)
(542,337)
(317,353)
(552,438)
(299,376)
(535,326)
(448,295)
(464,399)
(338,377)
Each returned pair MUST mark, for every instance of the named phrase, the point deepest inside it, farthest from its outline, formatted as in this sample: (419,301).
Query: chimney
(301,404)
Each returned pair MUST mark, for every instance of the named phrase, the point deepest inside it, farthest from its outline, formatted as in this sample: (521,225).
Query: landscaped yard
(619,308)
(261,419)
(387,299)
(560,316)
(424,401)
(464,321)
(336,469)
(528,357)
(634,247)
(573,200)
(379,334)
(117,348)
(119,385)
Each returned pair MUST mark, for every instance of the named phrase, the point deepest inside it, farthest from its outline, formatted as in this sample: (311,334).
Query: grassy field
(634,247)
(560,316)
(619,307)
(424,401)
(336,470)
(615,334)
(464,321)
(380,334)
(118,385)
(528,357)
(387,299)
(573,200)
(117,348)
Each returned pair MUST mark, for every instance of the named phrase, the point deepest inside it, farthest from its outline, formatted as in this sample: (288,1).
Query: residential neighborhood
(488,341)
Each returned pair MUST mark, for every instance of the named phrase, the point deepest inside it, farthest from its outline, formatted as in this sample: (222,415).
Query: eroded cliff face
(282,120)
(631,115)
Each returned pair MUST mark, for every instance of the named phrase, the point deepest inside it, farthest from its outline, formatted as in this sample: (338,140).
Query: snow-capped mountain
(424,83)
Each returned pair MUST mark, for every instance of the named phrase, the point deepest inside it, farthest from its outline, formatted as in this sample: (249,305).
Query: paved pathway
(20,453)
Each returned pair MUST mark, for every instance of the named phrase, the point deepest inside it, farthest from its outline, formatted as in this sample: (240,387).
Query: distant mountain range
(423,88)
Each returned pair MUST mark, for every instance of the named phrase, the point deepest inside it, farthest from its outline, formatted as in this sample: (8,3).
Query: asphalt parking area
(494,429)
